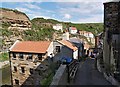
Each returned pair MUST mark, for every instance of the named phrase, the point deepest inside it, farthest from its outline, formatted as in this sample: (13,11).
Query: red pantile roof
(73,28)
(30,46)
(68,44)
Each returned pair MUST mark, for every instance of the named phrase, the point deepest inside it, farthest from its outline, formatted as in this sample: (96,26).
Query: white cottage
(58,27)
(26,59)
(73,30)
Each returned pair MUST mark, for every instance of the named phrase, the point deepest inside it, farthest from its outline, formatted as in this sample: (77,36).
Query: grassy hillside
(38,34)
(95,28)
(42,20)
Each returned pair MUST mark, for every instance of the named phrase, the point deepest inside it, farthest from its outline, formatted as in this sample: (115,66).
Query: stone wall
(60,77)
(35,64)
(111,15)
(111,48)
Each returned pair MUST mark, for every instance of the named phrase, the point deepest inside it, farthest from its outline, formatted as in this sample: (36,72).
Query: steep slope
(14,17)
(13,22)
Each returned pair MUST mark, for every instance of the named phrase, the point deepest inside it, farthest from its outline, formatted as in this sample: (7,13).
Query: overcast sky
(79,11)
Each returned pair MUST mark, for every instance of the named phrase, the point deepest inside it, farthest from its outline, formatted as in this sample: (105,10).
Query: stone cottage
(26,59)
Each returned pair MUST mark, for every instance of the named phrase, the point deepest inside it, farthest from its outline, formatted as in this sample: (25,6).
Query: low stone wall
(60,77)
(4,63)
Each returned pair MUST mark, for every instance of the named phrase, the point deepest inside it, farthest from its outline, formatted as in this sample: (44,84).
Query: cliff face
(14,23)
(14,17)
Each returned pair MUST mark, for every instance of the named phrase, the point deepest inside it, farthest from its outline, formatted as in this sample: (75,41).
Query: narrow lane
(88,75)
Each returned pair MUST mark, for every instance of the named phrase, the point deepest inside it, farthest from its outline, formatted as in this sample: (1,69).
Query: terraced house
(26,59)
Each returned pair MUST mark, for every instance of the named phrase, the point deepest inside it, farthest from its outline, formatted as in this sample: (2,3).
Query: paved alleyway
(88,75)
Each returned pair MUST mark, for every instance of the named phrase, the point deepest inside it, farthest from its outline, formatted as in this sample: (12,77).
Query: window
(23,69)
(21,56)
(14,55)
(31,71)
(57,48)
(16,82)
(15,68)
(40,56)
(29,57)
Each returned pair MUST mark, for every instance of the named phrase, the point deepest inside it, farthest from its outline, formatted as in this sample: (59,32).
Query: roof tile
(31,46)
(68,44)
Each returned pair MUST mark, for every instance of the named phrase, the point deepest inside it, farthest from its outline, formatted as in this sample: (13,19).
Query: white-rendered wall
(58,27)
(50,49)
(91,35)
(73,31)
(75,54)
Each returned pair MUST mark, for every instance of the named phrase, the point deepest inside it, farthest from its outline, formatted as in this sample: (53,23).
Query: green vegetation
(6,32)
(47,81)
(4,57)
(42,20)
(95,28)
(5,25)
(38,34)
(48,76)
(6,75)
